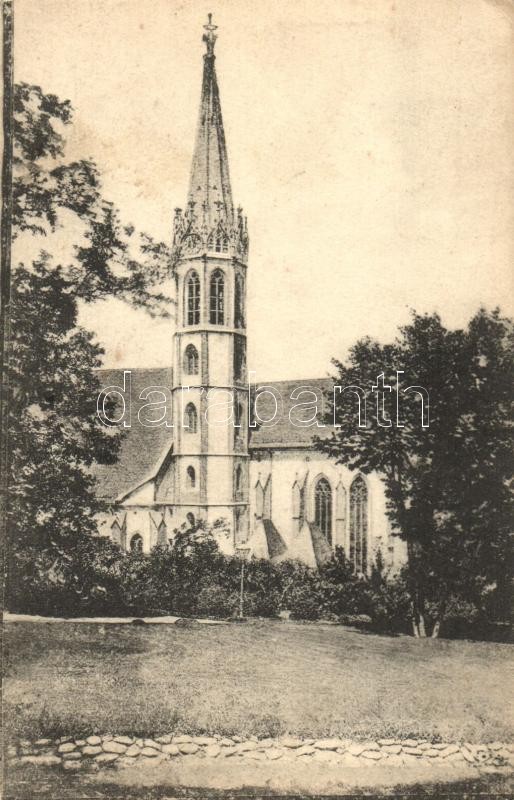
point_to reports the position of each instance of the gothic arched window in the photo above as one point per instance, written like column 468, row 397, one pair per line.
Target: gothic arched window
column 136, row 543
column 239, row 299
column 193, row 299
column 191, row 477
column 323, row 508
column 190, row 419
column 191, row 521
column 217, row 298
column 191, row 360
column 359, row 524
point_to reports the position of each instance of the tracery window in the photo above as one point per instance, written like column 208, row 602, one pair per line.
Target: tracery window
column 359, row 524
column 323, row 508
column 191, row 360
column 193, row 299
column 190, row 419
column 217, row 298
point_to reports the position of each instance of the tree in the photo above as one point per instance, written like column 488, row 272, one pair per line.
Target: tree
column 447, row 485
column 49, row 193
column 54, row 434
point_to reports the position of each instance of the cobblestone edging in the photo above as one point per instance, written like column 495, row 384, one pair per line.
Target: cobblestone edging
column 120, row 751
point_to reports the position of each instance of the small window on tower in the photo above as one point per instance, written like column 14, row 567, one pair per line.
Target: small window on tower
column 191, row 360
column 191, row 477
column 190, row 419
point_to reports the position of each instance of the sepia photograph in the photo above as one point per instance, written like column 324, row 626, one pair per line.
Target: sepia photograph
column 257, row 399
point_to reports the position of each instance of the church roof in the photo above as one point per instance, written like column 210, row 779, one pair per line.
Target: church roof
column 287, row 397
column 143, row 449
column 209, row 187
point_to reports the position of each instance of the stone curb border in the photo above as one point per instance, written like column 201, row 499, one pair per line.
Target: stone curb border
column 94, row 752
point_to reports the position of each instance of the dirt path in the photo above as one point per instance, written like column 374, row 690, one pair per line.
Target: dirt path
column 8, row 617
column 223, row 781
column 284, row 777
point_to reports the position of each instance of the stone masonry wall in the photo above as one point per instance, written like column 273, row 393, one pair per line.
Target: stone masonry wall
column 120, row 751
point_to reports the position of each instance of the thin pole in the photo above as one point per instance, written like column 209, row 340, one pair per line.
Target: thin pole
column 5, row 271
column 241, row 592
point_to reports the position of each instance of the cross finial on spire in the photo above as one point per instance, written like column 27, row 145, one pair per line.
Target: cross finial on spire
column 210, row 37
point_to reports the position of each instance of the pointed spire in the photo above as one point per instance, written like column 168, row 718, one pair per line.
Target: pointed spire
column 210, row 194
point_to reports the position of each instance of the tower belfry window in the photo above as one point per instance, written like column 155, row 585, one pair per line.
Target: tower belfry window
column 217, row 298
column 193, row 299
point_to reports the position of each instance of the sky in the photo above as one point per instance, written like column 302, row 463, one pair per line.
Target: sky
column 370, row 145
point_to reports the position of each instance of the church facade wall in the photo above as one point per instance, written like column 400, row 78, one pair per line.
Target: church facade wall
column 283, row 488
column 289, row 477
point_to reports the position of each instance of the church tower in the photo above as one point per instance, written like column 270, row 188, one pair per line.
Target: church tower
column 210, row 394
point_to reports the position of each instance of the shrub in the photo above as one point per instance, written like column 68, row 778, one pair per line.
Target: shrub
column 216, row 601
column 344, row 593
column 303, row 603
column 301, row 594
column 388, row 601
column 263, row 588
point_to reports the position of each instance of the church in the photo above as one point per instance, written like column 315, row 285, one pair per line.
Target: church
column 256, row 468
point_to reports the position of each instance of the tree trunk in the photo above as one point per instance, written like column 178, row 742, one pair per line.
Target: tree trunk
column 416, row 593
column 418, row 617
column 440, row 615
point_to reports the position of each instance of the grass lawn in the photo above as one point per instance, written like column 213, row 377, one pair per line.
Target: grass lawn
column 264, row 678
